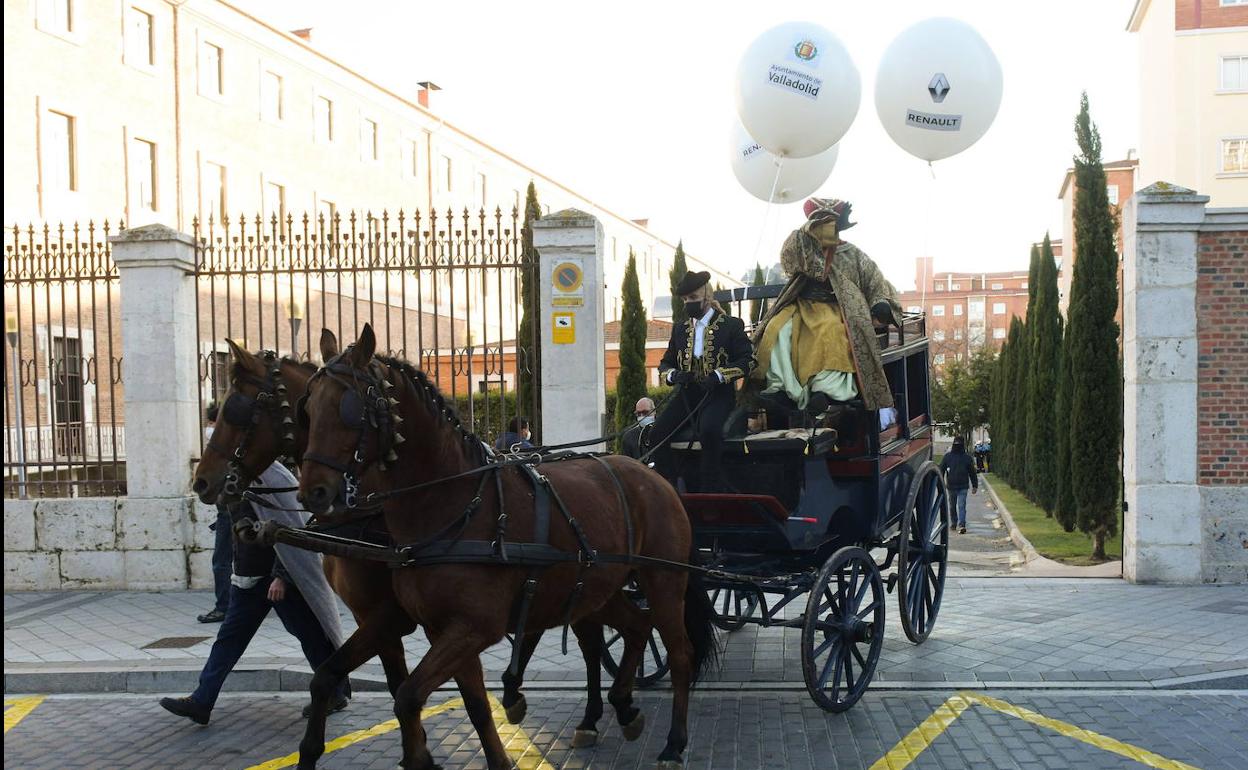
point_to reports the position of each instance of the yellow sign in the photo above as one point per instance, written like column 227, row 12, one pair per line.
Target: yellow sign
column 563, row 328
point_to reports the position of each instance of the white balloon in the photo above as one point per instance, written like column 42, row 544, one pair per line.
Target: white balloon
column 938, row 88
column 755, row 168
column 797, row 89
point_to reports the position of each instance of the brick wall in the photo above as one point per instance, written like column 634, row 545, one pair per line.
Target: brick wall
column 1222, row 329
column 1208, row 14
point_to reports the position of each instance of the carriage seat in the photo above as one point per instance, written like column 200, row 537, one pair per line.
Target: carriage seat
column 782, row 441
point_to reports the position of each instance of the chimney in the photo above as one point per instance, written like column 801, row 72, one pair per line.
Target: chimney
column 422, row 96
column 304, row 34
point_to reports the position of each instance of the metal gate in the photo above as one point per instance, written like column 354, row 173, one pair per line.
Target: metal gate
column 443, row 292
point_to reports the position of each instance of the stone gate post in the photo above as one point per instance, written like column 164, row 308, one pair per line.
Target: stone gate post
column 158, row 334
column 573, row 397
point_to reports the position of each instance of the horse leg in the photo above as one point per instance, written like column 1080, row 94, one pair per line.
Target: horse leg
column 665, row 593
column 394, row 660
column 514, row 702
column 634, row 627
column 589, row 638
column 451, row 650
column 376, row 632
column 471, row 683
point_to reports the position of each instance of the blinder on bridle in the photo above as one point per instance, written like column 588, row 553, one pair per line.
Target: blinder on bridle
column 239, row 410
column 365, row 403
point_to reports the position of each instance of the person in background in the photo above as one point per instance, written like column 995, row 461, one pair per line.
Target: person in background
column 281, row 577
column 516, row 435
column 636, row 438
column 959, row 471
column 222, row 549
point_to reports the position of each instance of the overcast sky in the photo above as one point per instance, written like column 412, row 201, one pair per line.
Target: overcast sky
column 631, row 105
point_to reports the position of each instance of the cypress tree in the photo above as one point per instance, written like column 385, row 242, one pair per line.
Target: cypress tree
column 630, row 383
column 1001, row 420
column 1045, row 335
column 756, row 305
column 1064, row 497
column 1096, row 383
column 529, row 336
column 1018, row 411
column 677, row 272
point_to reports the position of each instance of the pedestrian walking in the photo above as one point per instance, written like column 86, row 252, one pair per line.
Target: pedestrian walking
column 222, row 548
column 959, row 472
column 516, row 435
column 636, row 438
column 284, row 578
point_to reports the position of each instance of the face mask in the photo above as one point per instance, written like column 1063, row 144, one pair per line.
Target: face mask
column 693, row 309
column 645, row 419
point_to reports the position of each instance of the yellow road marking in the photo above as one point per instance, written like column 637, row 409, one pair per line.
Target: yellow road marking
column 290, row 760
column 519, row 746
column 16, row 709
column 901, row 755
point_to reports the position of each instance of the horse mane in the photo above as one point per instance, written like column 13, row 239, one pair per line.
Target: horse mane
column 439, row 408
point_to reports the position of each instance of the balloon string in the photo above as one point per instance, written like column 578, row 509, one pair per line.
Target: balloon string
column 771, row 199
column 932, row 169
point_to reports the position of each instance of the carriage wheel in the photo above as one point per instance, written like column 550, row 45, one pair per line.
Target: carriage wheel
column 844, row 629
column 653, row 666
column 923, row 553
column 732, row 607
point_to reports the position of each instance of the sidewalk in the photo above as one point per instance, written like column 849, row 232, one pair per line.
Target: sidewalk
column 999, row 632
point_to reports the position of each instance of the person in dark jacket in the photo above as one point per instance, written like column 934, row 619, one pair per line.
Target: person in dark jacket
column 636, row 439
column 706, row 355
column 959, row 471
column 517, row 434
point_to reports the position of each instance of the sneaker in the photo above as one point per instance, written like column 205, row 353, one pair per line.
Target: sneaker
column 214, row 616
column 962, row 530
column 185, row 707
column 338, row 704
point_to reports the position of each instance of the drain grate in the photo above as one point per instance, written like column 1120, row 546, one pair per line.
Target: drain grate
column 175, row 642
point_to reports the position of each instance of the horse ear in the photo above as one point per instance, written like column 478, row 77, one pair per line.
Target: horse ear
column 242, row 357
column 364, row 348
column 329, row 345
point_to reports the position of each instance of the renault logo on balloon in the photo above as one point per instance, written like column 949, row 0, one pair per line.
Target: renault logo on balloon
column 938, row 87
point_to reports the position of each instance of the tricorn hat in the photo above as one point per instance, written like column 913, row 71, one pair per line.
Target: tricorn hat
column 823, row 209
column 692, row 282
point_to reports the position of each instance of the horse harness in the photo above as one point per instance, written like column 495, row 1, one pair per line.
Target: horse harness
column 243, row 411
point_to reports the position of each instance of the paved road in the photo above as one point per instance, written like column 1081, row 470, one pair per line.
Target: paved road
column 986, row 549
column 1027, row 730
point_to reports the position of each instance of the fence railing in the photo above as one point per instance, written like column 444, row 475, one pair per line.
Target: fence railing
column 442, row 291
column 63, row 382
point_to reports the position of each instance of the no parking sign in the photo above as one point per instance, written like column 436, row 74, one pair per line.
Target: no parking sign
column 568, row 281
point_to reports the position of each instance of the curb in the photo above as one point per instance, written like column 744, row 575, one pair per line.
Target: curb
column 1030, row 553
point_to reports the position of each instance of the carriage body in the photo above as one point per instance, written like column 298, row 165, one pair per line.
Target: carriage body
column 812, row 510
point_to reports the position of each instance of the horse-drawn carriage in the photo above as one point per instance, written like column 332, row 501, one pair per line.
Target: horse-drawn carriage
column 809, row 507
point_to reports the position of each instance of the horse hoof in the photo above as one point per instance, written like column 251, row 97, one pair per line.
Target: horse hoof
column 517, row 710
column 632, row 730
column 583, row 739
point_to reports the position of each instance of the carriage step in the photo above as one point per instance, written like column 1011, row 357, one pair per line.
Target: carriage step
column 891, row 582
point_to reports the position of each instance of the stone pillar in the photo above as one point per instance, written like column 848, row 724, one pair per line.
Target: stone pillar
column 1162, row 530
column 570, row 274
column 161, row 374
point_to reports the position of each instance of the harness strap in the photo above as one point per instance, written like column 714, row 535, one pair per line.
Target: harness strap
column 522, row 615
column 619, row 492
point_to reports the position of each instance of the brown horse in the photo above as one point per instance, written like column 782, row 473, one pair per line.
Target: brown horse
column 255, row 430
column 357, row 410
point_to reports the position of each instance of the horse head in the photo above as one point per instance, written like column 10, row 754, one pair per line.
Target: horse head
column 255, row 425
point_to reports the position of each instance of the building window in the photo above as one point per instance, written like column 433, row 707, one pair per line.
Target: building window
column 940, row 287
column 957, row 286
column 1235, row 155
column 516, row 196
column 140, row 39
column 323, row 119
column 67, row 388
column 272, row 98
column 939, row 359
column 143, row 173
column 482, row 189
column 55, row 16
column 938, row 310
column 1225, row 3
column 998, row 308
column 274, row 204
column 414, row 149
column 214, row 203
column 368, row 139
column 957, row 334
column 1024, row 285
column 998, row 333
column 446, row 177
column 939, row 336
column 61, row 156
column 1112, row 192
column 998, row 286
column 211, row 70
column 325, row 211
column 957, row 310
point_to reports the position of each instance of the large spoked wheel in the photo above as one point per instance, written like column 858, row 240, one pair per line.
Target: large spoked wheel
column 844, row 629
column 732, row 607
column 923, row 553
column 653, row 666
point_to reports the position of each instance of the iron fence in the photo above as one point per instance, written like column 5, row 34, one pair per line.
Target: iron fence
column 64, row 415
column 442, row 292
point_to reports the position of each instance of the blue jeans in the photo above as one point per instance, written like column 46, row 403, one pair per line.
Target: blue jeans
column 222, row 558
column 248, row 609
column 959, row 500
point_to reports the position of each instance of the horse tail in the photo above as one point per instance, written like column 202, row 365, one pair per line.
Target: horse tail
column 698, row 626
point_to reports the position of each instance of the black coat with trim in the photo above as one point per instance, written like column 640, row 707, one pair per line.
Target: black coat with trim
column 726, row 350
